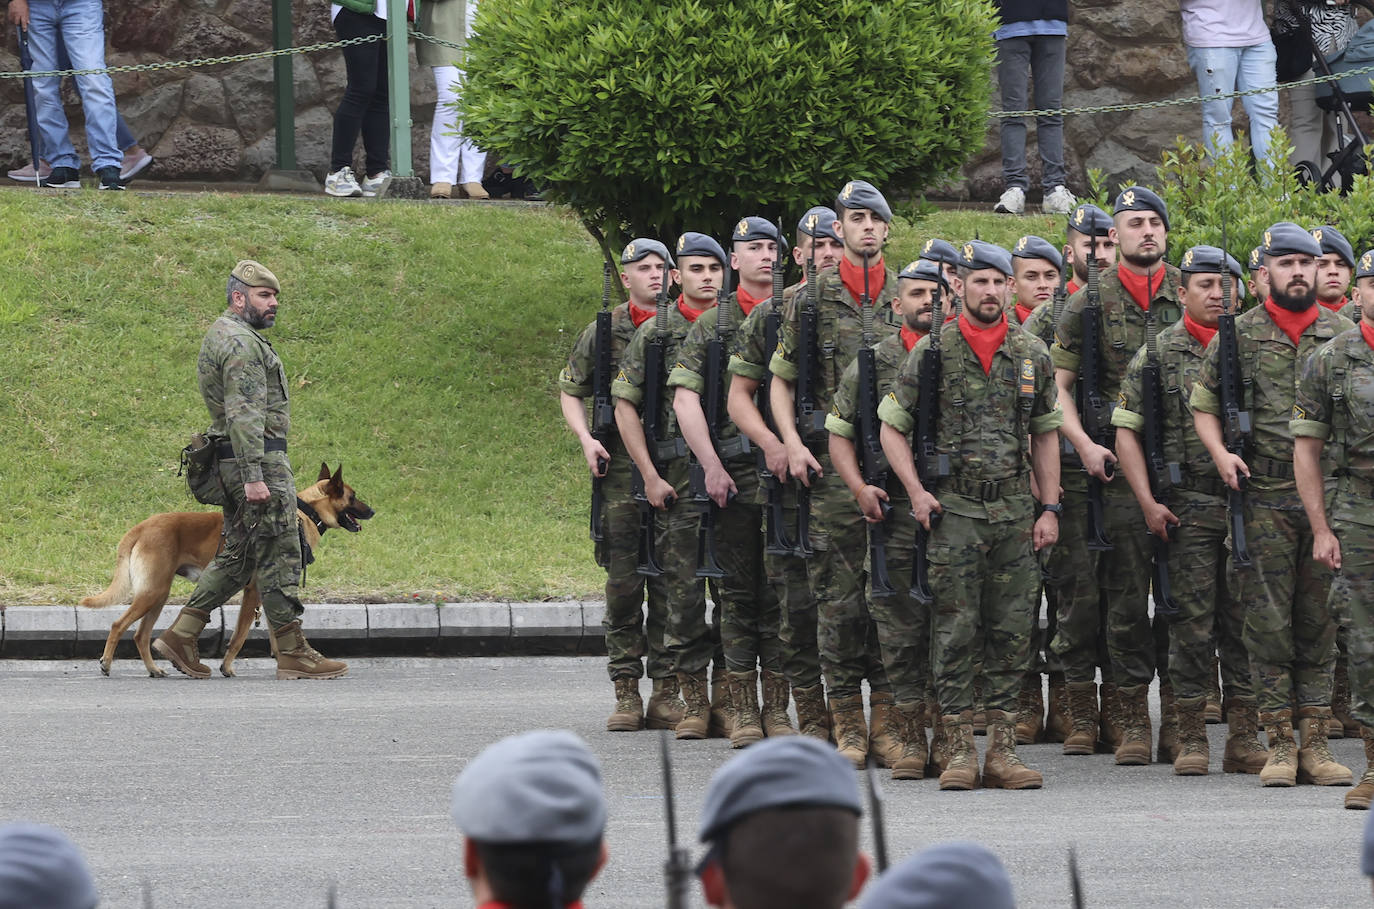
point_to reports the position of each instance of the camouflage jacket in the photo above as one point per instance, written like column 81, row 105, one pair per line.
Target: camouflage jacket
column 843, row 420
column 244, row 387
column 1041, row 323
column 629, row 382
column 578, row 377
column 1335, row 402
column 984, row 419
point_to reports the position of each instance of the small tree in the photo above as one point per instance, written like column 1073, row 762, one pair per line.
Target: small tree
column 652, row 118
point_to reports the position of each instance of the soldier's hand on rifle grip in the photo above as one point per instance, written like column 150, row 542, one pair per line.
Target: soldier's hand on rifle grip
column 924, row 507
column 719, row 486
column 660, row 493
column 873, row 503
column 1046, row 530
column 1161, row 521
column 775, row 456
column 1096, row 459
column 597, row 456
column 800, row 460
column 1327, row 549
column 1231, row 467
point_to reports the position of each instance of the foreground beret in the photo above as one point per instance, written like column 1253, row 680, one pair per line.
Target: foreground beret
column 40, row 868
column 793, row 771
column 1334, row 242
column 1285, row 238
column 1367, row 851
column 753, row 228
column 981, row 254
column 937, row 250
column 1033, row 247
column 695, row 244
column 861, row 194
column 255, row 274
column 542, row 786
column 1365, row 267
column 925, row 270
column 1207, row 260
column 1138, row 198
column 640, row 247
column 1088, row 220
column 819, row 221
column 945, row 876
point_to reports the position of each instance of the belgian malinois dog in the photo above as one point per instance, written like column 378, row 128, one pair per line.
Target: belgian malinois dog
column 184, row 542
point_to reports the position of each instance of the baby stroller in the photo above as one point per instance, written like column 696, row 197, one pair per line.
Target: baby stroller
column 1341, row 96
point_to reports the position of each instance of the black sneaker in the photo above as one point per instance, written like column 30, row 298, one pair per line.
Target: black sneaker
column 109, row 177
column 64, row 178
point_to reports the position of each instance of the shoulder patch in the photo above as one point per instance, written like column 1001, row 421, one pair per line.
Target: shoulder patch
column 1299, row 413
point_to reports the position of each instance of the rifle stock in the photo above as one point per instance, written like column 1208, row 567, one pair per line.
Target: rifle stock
column 930, row 463
column 1235, row 420
column 1092, row 409
column 603, row 407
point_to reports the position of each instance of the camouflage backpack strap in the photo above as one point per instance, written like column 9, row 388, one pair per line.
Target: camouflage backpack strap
column 1115, row 318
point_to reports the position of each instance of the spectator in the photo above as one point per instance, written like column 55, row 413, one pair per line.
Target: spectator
column 944, row 876
column 1030, row 46
column 40, row 868
column 79, row 27
column 1229, row 49
column 452, row 158
column 365, row 107
column 1311, row 130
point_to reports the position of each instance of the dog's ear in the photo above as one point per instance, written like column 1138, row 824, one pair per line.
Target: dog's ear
column 336, row 483
column 324, row 472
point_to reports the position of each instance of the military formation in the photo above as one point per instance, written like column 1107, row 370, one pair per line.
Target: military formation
column 884, row 474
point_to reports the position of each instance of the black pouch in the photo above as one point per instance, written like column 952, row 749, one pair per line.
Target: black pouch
column 200, row 463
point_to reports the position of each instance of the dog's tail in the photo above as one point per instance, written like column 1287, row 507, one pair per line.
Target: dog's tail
column 122, row 582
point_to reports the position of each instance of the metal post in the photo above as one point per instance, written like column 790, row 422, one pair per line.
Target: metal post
column 398, row 86
column 284, row 86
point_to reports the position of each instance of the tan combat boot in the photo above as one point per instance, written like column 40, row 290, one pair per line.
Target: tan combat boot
column 813, row 718
column 1214, row 709
column 181, row 643
column 961, row 765
column 1002, row 769
column 851, row 732
column 1316, row 763
column 1167, row 752
column 665, row 708
column 939, row 744
column 1358, row 799
column 911, row 763
column 629, row 707
column 1059, row 723
column 1193, row 754
column 980, row 713
column 744, row 695
column 1112, row 719
column 696, row 715
column 1083, row 714
column 884, row 730
column 1340, row 702
column 1134, row 750
column 1244, row 752
column 1282, row 767
column 722, row 711
column 296, row 659
column 1030, row 710
column 776, row 722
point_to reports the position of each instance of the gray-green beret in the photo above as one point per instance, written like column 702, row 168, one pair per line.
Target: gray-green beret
column 255, row 274
column 978, row 254
column 1088, row 220
column 794, row 771
column 937, row 250
column 1285, row 238
column 1207, row 260
column 1138, row 198
column 694, row 244
column 944, row 876
column 754, row 228
column 40, row 868
column 1334, row 242
column 1033, row 247
column 925, row 270
column 861, row 194
column 640, row 247
column 819, row 221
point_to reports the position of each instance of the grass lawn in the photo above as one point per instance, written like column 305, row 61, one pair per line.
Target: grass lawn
column 422, row 343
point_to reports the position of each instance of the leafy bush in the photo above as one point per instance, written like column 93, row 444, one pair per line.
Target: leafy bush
column 648, row 118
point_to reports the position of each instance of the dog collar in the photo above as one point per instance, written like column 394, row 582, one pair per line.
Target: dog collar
column 312, row 515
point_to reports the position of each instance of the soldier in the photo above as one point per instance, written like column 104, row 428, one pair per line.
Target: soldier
column 1335, row 404
column 532, row 814
column 1256, row 284
column 1118, row 583
column 1362, row 297
column 1193, row 523
column 1288, row 629
column 643, row 264
column 1087, row 222
column 944, row 876
column 997, row 424
column 846, row 636
column 244, row 387
column 1037, row 265
column 700, row 271
column 943, row 253
column 903, row 623
column 786, row 572
column 1334, row 267
column 782, row 825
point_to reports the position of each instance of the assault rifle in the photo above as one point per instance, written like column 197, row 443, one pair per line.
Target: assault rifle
column 1162, row 475
column 1235, row 422
column 778, row 543
column 654, row 378
column 603, row 405
column 810, row 418
column 1061, row 296
column 875, row 810
column 930, row 463
column 1092, row 409
column 677, row 870
column 871, row 459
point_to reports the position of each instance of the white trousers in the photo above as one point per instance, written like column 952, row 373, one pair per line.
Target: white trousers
column 452, row 159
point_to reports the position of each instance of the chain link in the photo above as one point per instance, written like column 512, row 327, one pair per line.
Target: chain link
column 421, row 36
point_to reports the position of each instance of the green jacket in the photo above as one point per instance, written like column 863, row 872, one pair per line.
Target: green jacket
column 445, row 19
column 244, row 387
column 1335, row 402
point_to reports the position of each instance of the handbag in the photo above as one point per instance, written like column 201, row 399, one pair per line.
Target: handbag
column 200, row 463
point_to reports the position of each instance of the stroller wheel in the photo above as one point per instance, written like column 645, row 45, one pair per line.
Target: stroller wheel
column 1307, row 173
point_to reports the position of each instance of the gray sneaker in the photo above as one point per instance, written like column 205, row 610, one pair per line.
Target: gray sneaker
column 1058, row 201
column 1013, row 202
column 342, row 184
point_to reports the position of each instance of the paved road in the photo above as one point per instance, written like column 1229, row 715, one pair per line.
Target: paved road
column 254, row 793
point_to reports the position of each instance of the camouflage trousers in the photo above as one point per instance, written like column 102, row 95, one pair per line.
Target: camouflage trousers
column 1078, row 642
column 1352, row 605
column 261, row 539
column 1209, row 618
column 845, row 633
column 632, row 632
column 749, row 607
column 687, row 636
column 903, row 623
column 1289, row 632
column 984, row 576
column 801, row 661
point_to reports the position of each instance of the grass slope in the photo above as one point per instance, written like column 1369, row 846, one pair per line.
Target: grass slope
column 421, row 342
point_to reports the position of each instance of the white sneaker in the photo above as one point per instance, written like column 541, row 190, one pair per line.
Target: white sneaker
column 373, row 186
column 1013, row 202
column 341, row 183
column 1058, row 201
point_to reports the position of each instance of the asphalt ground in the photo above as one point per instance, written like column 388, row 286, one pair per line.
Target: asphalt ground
column 250, row 792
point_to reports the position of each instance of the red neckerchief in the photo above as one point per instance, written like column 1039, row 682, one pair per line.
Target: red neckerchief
column 853, row 278
column 1071, row 288
column 690, row 314
column 747, row 301
column 640, row 316
column 1334, row 307
column 984, row 341
column 1138, row 286
column 910, row 336
column 1292, row 323
column 1023, row 312
column 1367, row 332
column 1203, row 333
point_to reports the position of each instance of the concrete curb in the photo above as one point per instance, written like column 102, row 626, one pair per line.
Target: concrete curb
column 567, row 627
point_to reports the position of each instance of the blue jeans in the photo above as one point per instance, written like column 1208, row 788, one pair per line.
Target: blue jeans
column 123, row 135
column 1228, row 69
column 79, row 26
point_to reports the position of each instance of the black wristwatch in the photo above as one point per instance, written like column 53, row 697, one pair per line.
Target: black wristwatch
column 1057, row 508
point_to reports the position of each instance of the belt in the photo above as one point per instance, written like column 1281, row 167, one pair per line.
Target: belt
column 226, row 450
column 987, row 490
column 1212, row 486
column 1269, row 467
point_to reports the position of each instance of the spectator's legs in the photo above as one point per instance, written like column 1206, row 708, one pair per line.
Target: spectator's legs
column 1013, row 75
column 1047, row 77
column 363, row 63
column 444, row 145
column 82, row 28
column 1215, row 68
column 44, row 36
column 377, row 119
column 1257, row 64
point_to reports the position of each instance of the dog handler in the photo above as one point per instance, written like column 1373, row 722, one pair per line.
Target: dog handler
column 244, row 387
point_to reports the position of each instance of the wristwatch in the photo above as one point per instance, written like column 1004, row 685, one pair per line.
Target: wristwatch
column 1057, row 508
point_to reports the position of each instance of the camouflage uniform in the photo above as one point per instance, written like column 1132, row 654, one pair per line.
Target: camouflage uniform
column 846, row 636
column 983, row 570
column 1123, row 573
column 1197, row 560
column 244, row 387
column 1288, row 632
column 625, row 621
